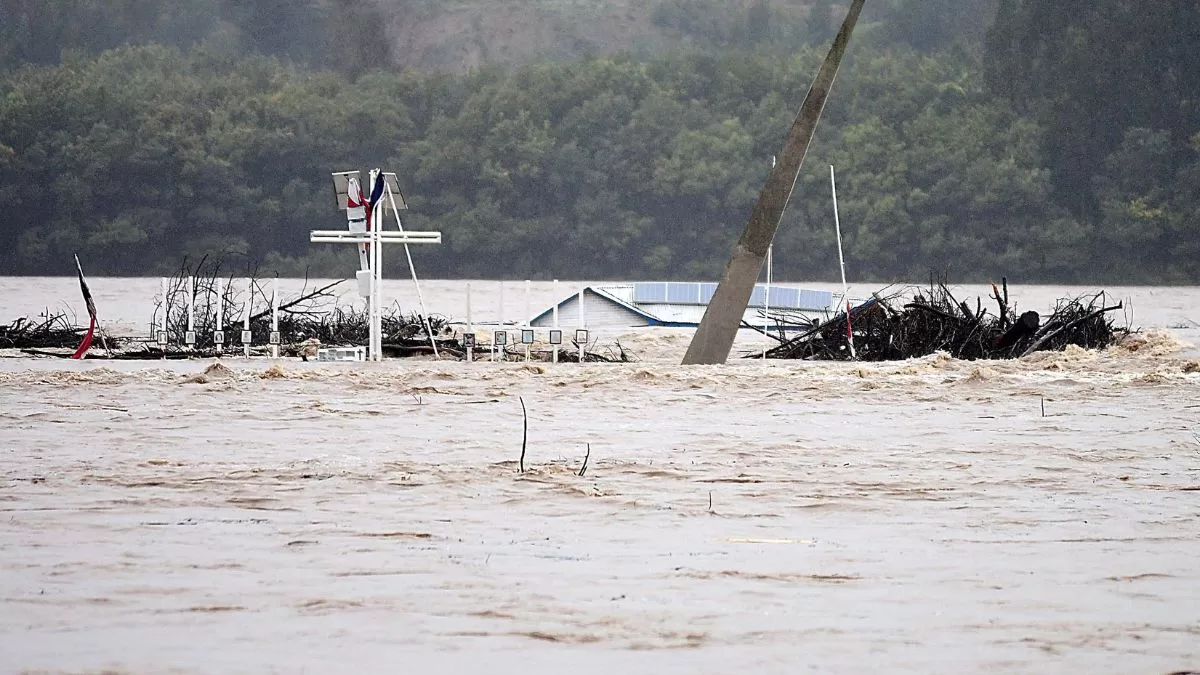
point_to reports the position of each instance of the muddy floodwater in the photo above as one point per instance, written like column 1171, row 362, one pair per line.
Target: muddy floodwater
column 933, row 515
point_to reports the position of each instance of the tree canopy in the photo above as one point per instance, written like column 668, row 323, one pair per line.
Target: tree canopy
column 1029, row 153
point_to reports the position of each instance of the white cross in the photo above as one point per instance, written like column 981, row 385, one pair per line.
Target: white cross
column 376, row 238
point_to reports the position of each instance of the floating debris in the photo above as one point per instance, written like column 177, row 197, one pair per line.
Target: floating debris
column 917, row 322
column 48, row 331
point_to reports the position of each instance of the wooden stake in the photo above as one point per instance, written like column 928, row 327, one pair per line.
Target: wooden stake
column 524, row 434
column 583, row 469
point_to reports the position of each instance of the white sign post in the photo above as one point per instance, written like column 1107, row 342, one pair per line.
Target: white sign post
column 219, row 331
column 374, row 238
column 246, row 335
column 161, row 333
column 552, row 333
column 274, row 337
column 189, row 337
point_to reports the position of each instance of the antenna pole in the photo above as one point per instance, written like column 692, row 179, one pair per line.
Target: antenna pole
column 375, row 305
column 413, row 271
column 837, row 226
column 767, row 301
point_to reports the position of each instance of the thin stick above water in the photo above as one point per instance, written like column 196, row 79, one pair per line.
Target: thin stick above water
column 583, row 469
column 837, row 226
column 524, row 434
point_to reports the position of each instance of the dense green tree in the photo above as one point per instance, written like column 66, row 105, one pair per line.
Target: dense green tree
column 41, row 31
column 1088, row 70
column 1148, row 225
column 135, row 154
column 143, row 152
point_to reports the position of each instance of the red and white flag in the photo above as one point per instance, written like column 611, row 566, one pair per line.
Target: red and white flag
column 354, row 195
column 358, row 219
column 91, row 309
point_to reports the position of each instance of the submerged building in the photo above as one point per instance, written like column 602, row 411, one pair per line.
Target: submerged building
column 679, row 304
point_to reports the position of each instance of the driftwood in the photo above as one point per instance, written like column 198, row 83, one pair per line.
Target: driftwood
column 306, row 320
column 524, row 433
column 48, row 331
column 583, row 469
column 209, row 273
column 616, row 353
column 1026, row 325
column 1069, row 327
column 934, row 320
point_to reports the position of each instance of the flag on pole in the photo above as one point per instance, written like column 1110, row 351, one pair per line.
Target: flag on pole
column 356, row 217
column 377, row 190
column 376, row 195
column 91, row 309
column 354, row 195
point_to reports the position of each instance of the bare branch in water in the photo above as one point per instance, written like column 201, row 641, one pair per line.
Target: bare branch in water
column 583, row 469
column 524, row 434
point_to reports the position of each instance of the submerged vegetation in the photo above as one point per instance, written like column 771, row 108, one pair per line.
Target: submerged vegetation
column 207, row 309
column 47, row 330
column 917, row 322
column 1031, row 149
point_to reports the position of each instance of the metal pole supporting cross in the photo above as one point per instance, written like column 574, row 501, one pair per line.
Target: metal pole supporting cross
column 370, row 233
column 376, row 238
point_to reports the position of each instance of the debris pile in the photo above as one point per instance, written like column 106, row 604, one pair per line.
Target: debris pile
column 201, row 302
column 48, row 331
column 403, row 334
column 307, row 319
column 918, row 322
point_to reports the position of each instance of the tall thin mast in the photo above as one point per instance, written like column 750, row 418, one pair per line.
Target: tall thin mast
column 837, row 226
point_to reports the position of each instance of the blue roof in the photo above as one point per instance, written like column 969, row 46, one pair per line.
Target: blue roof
column 691, row 293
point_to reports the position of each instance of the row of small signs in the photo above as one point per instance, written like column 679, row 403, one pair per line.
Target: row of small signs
column 189, row 338
column 500, row 338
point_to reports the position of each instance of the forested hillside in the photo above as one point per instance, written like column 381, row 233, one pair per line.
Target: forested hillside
column 460, row 35
column 1044, row 141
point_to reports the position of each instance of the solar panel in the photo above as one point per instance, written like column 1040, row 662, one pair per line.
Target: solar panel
column 815, row 299
column 757, row 296
column 791, row 298
column 683, row 293
column 785, row 298
column 341, row 182
column 688, row 293
column 650, row 292
column 390, row 180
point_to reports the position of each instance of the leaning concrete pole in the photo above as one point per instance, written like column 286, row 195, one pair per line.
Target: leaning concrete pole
column 714, row 338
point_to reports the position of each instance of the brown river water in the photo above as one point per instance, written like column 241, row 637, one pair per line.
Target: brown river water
column 933, row 515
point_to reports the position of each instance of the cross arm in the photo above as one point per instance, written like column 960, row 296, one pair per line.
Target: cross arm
column 407, row 237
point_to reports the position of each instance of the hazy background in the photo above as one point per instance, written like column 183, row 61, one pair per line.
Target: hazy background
column 1052, row 142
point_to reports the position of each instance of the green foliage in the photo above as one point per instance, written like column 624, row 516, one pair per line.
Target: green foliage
column 146, row 152
column 604, row 167
column 1089, row 70
column 39, row 31
column 1148, row 224
column 346, row 35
